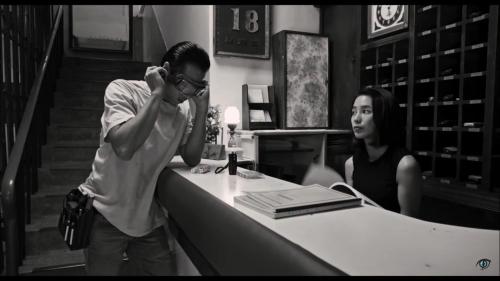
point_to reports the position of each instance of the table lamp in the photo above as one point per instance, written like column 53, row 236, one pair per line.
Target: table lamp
column 231, row 118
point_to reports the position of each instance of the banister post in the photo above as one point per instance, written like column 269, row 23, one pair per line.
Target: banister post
column 10, row 221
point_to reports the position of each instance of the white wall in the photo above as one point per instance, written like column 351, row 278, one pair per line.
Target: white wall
column 153, row 45
column 228, row 74
column 184, row 23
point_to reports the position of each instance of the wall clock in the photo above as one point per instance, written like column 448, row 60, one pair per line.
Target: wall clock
column 384, row 19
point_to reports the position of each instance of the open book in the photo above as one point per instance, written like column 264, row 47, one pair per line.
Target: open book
column 326, row 176
column 298, row 201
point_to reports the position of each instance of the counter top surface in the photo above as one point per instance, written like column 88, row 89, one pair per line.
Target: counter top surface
column 365, row 240
column 292, row 132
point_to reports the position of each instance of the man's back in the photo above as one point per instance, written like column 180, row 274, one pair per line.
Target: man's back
column 124, row 189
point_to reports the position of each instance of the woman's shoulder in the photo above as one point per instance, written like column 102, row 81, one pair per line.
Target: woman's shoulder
column 399, row 152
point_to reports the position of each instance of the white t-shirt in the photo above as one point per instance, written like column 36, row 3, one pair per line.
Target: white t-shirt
column 124, row 190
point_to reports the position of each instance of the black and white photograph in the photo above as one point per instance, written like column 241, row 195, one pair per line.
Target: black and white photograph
column 249, row 140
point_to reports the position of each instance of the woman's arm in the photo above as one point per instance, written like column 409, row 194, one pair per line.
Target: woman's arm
column 409, row 179
column 349, row 168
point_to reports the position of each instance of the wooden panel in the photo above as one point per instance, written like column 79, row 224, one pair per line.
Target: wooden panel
column 342, row 25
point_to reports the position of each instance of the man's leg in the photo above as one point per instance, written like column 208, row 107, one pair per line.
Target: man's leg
column 104, row 254
column 151, row 255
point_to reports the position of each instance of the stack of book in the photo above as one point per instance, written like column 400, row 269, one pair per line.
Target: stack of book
column 298, row 201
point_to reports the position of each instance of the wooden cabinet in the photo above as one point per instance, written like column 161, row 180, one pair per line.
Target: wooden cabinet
column 444, row 74
column 301, row 79
column 286, row 154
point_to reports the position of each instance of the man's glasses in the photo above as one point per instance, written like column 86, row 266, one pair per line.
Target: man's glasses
column 187, row 87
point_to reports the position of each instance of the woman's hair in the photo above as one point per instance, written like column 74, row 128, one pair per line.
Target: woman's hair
column 385, row 115
column 186, row 52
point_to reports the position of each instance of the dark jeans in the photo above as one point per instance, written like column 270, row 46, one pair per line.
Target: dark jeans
column 147, row 255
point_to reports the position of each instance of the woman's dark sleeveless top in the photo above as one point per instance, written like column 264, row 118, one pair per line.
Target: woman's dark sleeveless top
column 377, row 179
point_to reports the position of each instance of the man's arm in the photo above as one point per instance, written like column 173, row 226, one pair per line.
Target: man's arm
column 127, row 137
column 192, row 149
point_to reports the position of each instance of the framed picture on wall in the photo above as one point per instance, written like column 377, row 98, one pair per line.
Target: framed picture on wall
column 384, row 19
column 242, row 30
column 89, row 28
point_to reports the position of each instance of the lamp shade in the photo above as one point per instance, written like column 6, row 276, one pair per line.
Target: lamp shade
column 231, row 115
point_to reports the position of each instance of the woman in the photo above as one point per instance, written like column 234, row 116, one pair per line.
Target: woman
column 380, row 168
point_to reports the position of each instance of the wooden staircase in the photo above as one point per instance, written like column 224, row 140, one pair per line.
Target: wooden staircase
column 72, row 141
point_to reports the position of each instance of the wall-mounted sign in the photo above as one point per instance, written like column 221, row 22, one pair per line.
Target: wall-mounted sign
column 384, row 19
column 242, row 30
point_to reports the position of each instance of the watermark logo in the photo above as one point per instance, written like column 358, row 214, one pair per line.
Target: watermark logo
column 483, row 263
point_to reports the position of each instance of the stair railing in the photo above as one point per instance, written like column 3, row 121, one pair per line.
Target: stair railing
column 34, row 40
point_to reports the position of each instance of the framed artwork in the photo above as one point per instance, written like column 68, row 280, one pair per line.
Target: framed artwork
column 301, row 79
column 242, row 30
column 89, row 28
column 384, row 19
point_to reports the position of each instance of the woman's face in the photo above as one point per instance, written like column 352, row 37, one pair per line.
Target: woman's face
column 362, row 122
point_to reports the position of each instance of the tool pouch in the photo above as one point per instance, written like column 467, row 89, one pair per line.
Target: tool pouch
column 75, row 221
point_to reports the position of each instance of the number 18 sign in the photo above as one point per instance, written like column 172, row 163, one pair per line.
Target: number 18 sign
column 242, row 30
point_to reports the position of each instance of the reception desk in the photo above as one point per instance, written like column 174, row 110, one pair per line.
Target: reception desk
column 223, row 239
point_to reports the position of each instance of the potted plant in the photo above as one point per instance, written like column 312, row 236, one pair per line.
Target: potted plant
column 212, row 150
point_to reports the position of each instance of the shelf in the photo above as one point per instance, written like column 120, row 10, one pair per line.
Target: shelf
column 424, row 153
column 475, row 101
column 450, row 51
column 475, row 74
column 459, row 192
column 424, row 104
column 476, row 46
column 471, row 158
column 446, row 129
column 451, row 25
column 449, row 77
column 446, row 155
column 427, row 32
column 401, row 61
column 472, row 130
column 425, row 80
column 478, row 18
column 424, row 128
column 426, row 56
column 426, row 8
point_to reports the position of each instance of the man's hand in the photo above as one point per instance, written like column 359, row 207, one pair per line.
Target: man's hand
column 202, row 99
column 154, row 78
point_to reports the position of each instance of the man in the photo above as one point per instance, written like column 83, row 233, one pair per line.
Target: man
column 144, row 123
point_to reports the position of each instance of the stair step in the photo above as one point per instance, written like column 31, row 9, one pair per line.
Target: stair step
column 65, row 85
column 69, row 73
column 58, row 189
column 85, row 101
column 43, row 222
column 80, row 116
column 51, row 258
column 67, row 136
column 46, row 239
column 69, row 165
column 49, row 178
column 72, row 269
column 46, row 205
column 68, row 153
column 70, row 93
column 103, row 64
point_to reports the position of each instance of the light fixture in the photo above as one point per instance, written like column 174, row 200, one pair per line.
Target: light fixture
column 231, row 118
